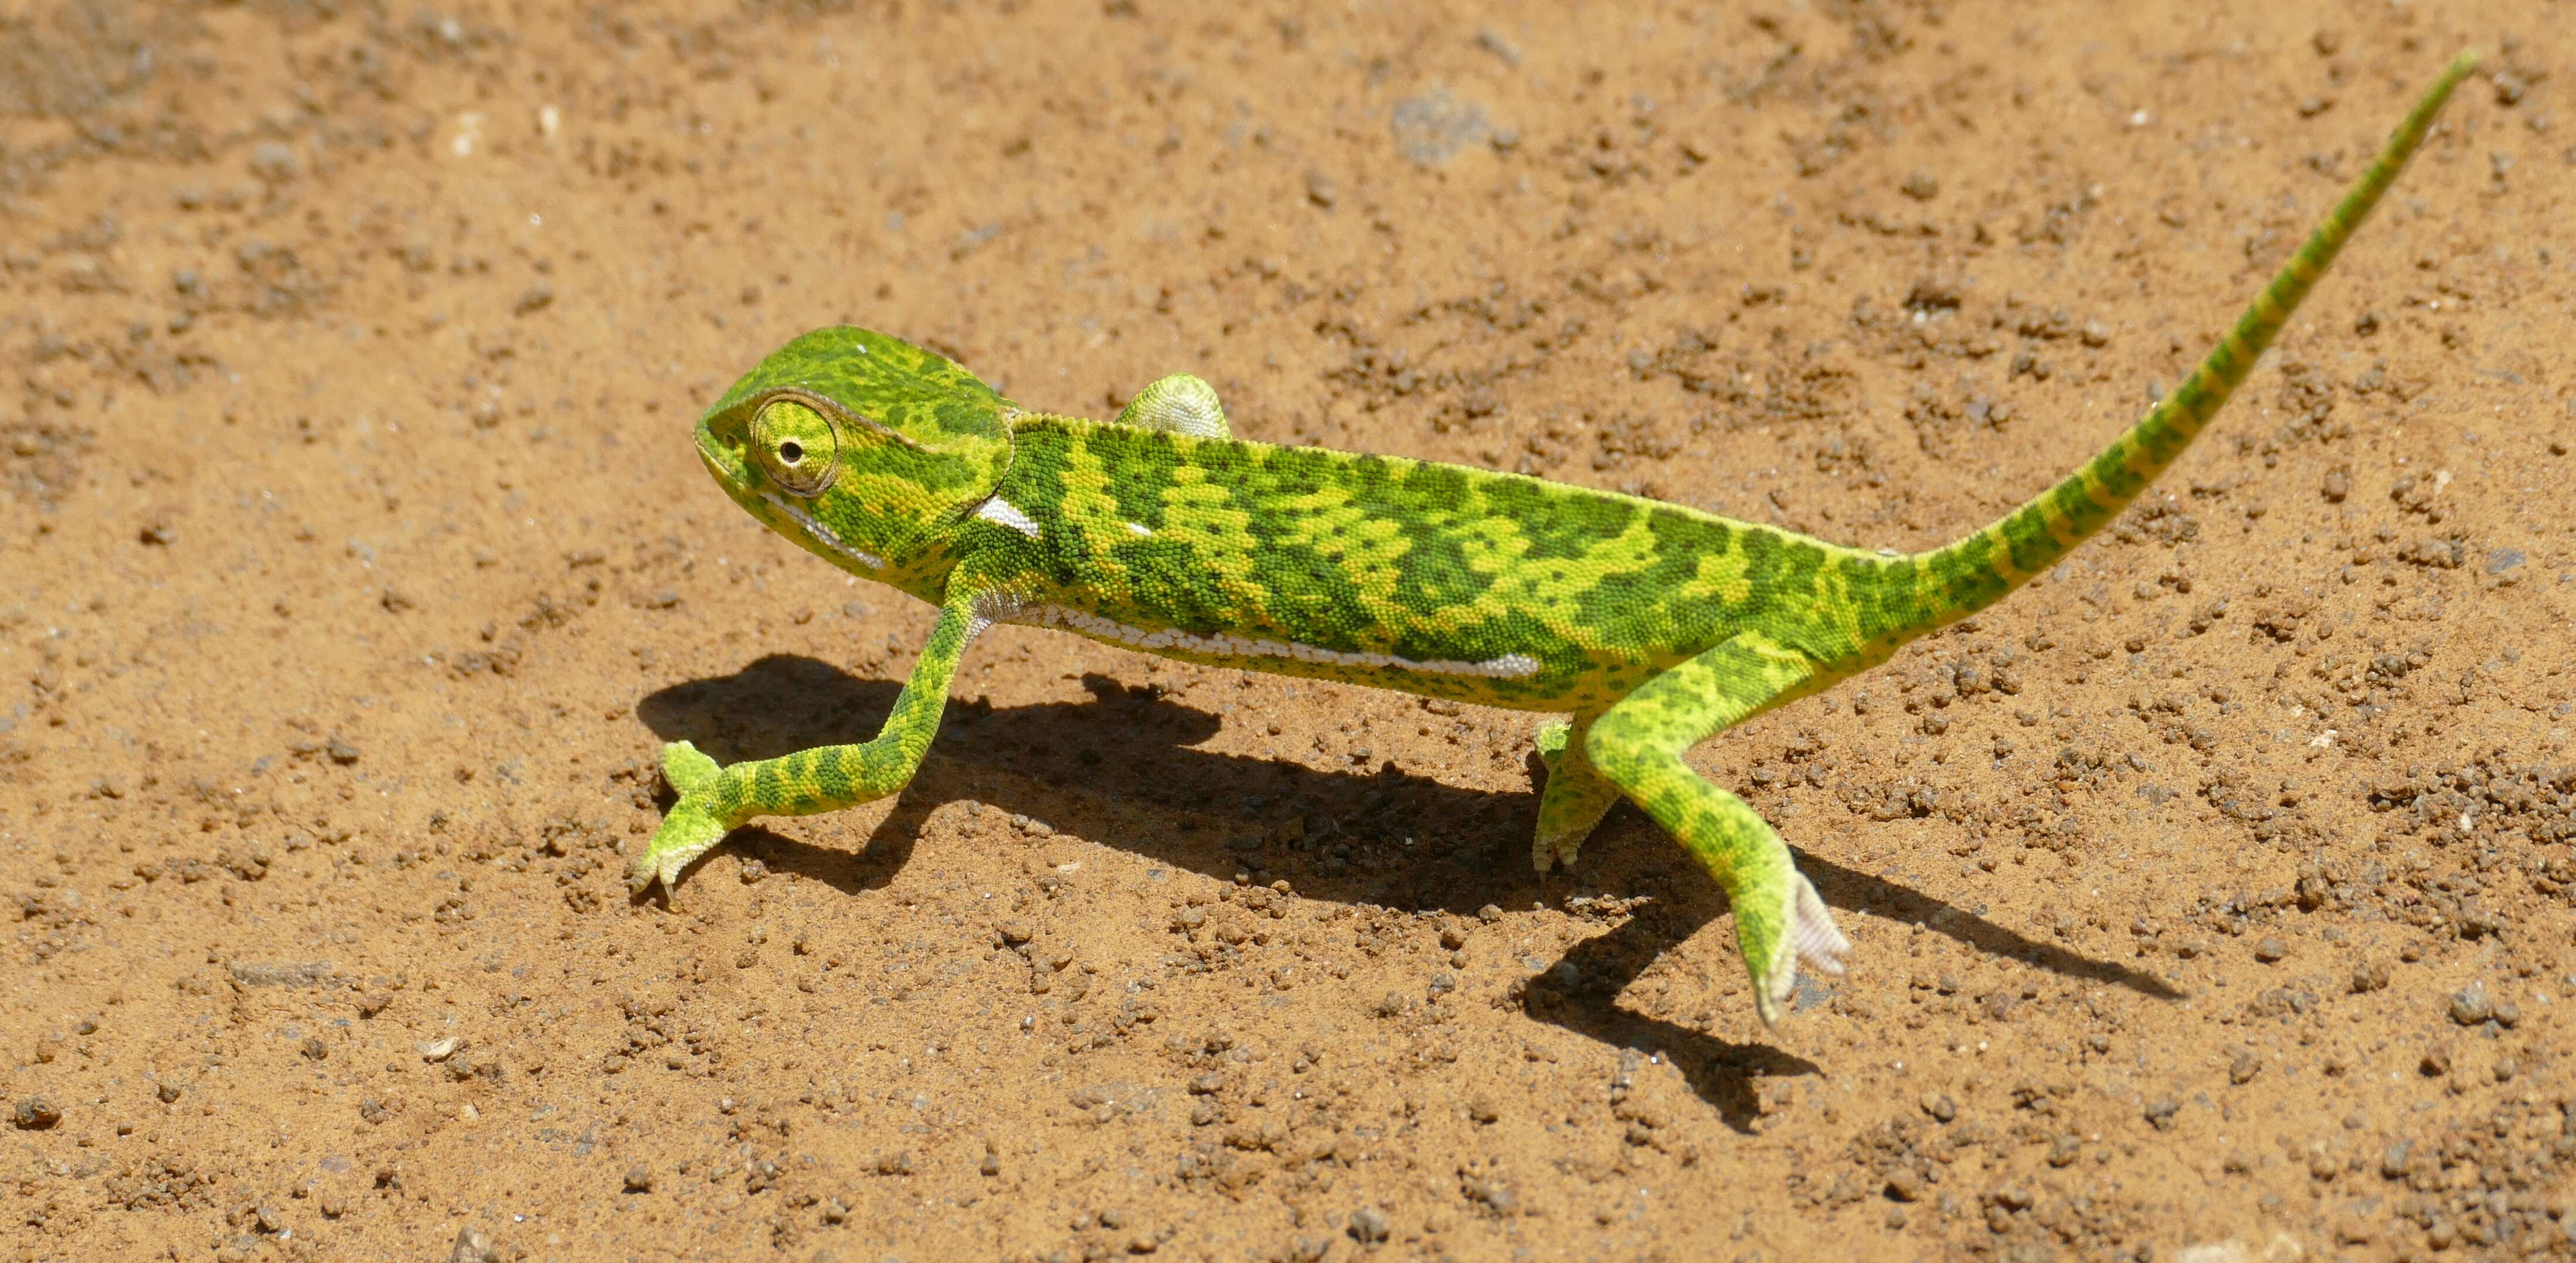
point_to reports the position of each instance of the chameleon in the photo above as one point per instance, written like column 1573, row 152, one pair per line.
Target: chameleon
column 1647, row 627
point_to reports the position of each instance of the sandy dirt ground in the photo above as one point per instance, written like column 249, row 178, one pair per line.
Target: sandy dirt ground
column 2214, row 894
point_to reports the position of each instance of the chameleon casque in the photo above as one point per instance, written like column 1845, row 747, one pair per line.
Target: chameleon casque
column 1650, row 625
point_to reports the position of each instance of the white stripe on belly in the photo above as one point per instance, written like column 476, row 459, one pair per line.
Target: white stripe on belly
column 1510, row 666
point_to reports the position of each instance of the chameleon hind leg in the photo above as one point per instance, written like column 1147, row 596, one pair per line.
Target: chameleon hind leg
column 1179, row 403
column 714, row 801
column 1576, row 796
column 1638, row 745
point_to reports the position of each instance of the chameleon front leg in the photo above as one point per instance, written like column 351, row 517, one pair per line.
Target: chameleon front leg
column 1638, row 745
column 1576, row 796
column 1179, row 403
column 714, row 801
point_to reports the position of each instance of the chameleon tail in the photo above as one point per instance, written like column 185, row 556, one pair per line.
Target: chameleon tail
column 1975, row 572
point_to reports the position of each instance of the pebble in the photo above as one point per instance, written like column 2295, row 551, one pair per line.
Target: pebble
column 473, row 1245
column 2243, row 1068
column 1369, row 1225
column 2270, row 950
column 2470, row 1006
column 2161, row 1112
column 36, row 1113
column 639, row 1178
column 2393, row 1162
column 274, row 162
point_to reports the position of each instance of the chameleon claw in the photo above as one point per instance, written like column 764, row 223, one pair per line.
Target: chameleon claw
column 689, row 830
column 1547, row 852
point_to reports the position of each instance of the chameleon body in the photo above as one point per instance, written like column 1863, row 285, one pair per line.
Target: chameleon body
column 1651, row 626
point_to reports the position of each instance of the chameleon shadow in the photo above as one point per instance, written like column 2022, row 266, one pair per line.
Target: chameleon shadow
column 1052, row 760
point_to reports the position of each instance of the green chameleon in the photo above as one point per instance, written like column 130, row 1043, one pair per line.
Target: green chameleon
column 1651, row 625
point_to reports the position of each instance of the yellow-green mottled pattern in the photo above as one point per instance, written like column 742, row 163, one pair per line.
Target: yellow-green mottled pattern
column 1357, row 554
column 1652, row 625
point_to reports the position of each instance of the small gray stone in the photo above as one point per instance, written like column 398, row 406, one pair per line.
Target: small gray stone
column 473, row 1245
column 274, row 162
column 2470, row 1006
column 1433, row 126
column 1495, row 42
column 281, row 973
column 2393, row 1162
column 2161, row 1111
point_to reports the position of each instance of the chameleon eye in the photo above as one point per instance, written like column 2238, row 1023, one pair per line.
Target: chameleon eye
column 797, row 446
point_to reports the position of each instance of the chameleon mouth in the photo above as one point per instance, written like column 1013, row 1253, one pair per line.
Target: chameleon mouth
column 820, row 533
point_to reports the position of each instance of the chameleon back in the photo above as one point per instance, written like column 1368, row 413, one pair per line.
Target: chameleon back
column 1438, row 579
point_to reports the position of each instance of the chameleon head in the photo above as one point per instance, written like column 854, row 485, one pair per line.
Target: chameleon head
column 861, row 447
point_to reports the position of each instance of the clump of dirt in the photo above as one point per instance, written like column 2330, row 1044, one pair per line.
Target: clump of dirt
column 2214, row 891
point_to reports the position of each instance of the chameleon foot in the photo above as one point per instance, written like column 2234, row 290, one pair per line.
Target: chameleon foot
column 1575, row 799
column 1813, row 941
column 1179, row 403
column 693, row 826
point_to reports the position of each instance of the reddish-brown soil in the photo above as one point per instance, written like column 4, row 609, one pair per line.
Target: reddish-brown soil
column 2214, row 893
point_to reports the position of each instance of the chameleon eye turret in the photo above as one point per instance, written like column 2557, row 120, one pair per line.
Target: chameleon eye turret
column 797, row 444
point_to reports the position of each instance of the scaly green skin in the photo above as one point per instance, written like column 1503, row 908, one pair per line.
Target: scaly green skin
column 1652, row 625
